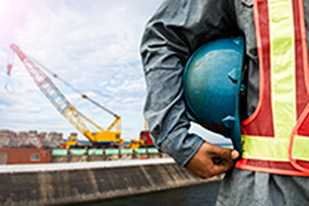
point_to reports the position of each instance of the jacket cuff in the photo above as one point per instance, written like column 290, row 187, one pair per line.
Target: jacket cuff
column 182, row 146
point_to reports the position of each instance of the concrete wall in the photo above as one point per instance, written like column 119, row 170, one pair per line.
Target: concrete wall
column 64, row 186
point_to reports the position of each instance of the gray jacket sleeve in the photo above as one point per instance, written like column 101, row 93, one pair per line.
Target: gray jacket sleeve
column 177, row 29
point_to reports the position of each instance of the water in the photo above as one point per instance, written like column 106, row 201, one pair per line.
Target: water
column 199, row 195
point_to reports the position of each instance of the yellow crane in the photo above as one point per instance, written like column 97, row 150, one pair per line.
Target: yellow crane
column 109, row 136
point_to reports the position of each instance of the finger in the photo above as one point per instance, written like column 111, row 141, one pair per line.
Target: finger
column 219, row 169
column 224, row 153
column 235, row 154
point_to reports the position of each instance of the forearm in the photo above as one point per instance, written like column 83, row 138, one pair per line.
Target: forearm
column 173, row 33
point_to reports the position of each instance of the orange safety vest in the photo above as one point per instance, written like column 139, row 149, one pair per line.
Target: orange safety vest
column 276, row 136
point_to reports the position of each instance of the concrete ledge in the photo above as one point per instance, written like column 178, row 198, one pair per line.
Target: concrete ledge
column 26, row 168
column 59, row 184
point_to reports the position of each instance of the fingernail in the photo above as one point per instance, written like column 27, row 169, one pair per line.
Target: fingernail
column 235, row 154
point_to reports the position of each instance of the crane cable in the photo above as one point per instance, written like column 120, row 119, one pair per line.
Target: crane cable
column 83, row 96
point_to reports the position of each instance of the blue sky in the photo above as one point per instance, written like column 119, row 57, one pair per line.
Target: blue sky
column 92, row 44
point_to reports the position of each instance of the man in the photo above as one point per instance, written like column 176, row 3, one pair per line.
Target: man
column 176, row 30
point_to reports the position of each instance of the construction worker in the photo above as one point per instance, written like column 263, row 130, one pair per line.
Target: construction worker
column 273, row 167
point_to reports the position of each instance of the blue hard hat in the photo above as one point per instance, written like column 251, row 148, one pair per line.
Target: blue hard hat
column 212, row 84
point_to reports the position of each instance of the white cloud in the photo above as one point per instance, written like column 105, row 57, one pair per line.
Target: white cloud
column 94, row 46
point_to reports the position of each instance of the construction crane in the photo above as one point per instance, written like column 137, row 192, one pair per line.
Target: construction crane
column 109, row 136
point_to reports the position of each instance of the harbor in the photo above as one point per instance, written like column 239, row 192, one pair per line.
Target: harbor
column 39, row 170
column 34, row 147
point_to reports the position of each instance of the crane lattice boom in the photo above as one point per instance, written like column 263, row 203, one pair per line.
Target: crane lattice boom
column 75, row 117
